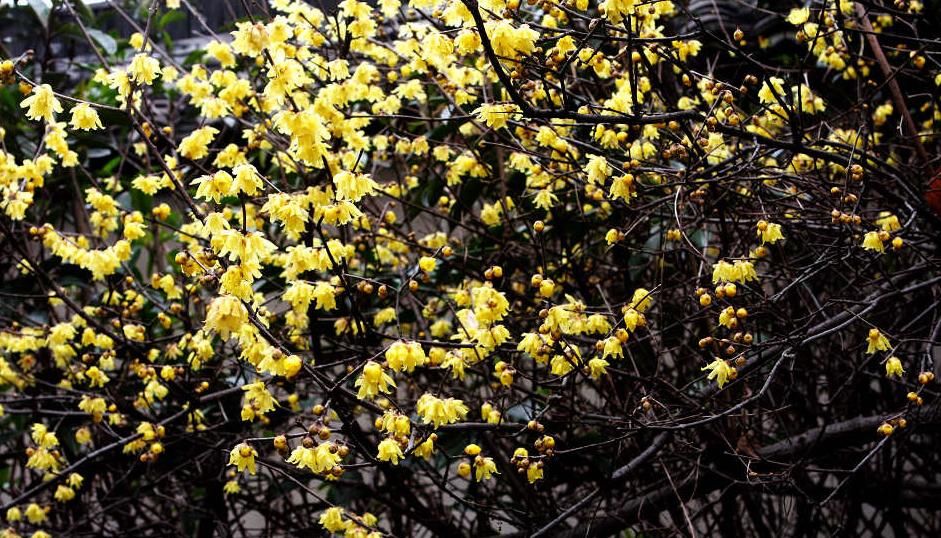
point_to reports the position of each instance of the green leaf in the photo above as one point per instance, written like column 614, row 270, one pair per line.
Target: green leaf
column 104, row 40
column 170, row 17
column 110, row 166
column 87, row 14
column 41, row 8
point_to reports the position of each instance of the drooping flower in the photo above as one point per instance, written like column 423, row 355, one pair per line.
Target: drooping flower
column 769, row 232
column 720, row 371
column 373, row 381
column 389, row 450
column 893, row 367
column 597, row 368
column 85, row 117
column 877, row 342
column 484, row 468
column 873, row 241
column 438, row 411
column 243, row 457
column 497, row 115
column 641, row 300
column 42, row 103
column 404, row 357
column 740, row 271
column 888, row 222
column 427, row 264
column 798, row 16
column 144, row 69
column 226, row 315
column 332, row 520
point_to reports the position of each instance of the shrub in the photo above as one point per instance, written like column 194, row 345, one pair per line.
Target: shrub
column 458, row 268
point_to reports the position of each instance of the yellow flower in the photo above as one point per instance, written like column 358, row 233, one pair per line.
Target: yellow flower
column 246, row 180
column 545, row 199
column 770, row 93
column 373, row 381
column 633, row 319
column 427, row 264
column 484, row 468
column 144, row 69
column 83, row 436
column 497, row 115
column 292, row 365
column 727, row 318
column 623, row 188
column 214, row 187
column 196, row 144
column 740, row 271
column 612, row 348
column 547, row 288
column 35, row 513
column 250, row 38
column 612, row 236
column 226, row 315
column 437, row 411
column 319, row 460
column 509, row 42
column 95, row 407
column 720, row 371
column 534, row 472
column 96, row 378
column 598, row 368
column 641, row 300
column 389, row 450
column 798, row 16
column 64, row 493
column 150, row 185
column 221, row 52
column 888, row 222
column 332, row 520
column 135, row 333
column 769, row 232
column 42, row 103
column 258, row 400
column 872, row 241
column 243, row 457
column 136, row 40
column 426, row 448
column 353, row 187
column 893, row 367
column 877, row 342
column 85, row 117
column 404, row 357
column 597, row 169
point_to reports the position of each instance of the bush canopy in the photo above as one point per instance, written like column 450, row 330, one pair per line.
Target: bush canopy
column 470, row 268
